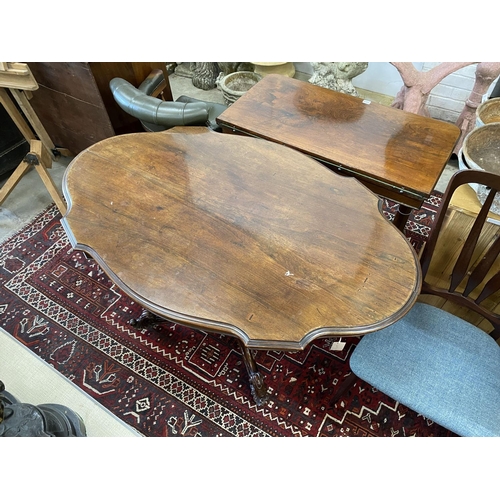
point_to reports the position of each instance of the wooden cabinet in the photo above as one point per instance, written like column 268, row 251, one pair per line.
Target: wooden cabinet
column 74, row 102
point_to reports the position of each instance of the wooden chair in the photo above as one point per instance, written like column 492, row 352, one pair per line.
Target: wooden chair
column 432, row 361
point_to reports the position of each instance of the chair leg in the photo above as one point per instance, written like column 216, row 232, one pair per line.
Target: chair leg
column 346, row 384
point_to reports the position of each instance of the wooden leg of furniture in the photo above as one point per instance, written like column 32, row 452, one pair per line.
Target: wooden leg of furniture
column 42, row 160
column 344, row 386
column 401, row 217
column 257, row 384
column 15, row 115
column 39, row 158
column 35, row 122
column 63, row 152
column 12, row 181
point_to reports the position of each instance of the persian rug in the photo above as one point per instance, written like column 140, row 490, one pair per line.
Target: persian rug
column 420, row 221
column 171, row 380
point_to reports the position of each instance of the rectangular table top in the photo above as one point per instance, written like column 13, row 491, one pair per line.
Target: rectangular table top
column 397, row 154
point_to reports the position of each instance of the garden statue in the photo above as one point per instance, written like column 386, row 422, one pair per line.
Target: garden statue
column 337, row 75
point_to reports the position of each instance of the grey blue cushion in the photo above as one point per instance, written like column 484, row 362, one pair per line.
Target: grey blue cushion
column 438, row 365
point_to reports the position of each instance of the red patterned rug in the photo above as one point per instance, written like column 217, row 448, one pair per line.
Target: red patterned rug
column 420, row 222
column 171, row 380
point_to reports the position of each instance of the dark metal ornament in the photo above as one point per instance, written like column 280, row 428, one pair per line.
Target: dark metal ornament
column 45, row 420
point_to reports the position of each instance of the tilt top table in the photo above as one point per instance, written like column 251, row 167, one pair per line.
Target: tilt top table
column 398, row 155
column 240, row 236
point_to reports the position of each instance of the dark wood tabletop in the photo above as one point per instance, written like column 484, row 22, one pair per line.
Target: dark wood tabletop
column 238, row 235
column 397, row 154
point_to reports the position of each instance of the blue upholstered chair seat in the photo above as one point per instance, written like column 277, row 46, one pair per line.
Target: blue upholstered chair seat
column 439, row 366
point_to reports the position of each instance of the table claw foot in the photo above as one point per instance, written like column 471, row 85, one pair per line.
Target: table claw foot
column 257, row 384
column 259, row 389
column 146, row 318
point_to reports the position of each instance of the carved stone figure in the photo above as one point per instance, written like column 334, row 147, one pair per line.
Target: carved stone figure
column 205, row 74
column 231, row 67
column 337, row 75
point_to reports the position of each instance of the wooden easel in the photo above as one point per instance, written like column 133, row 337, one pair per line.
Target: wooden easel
column 18, row 78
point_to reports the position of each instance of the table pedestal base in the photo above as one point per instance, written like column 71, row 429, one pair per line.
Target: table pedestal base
column 257, row 385
column 402, row 214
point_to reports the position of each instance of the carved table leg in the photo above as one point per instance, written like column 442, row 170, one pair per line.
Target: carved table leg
column 257, row 384
column 146, row 318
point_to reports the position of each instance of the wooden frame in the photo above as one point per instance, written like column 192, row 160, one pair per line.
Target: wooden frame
column 18, row 78
column 39, row 158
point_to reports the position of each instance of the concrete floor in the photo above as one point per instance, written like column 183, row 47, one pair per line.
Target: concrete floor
column 29, row 198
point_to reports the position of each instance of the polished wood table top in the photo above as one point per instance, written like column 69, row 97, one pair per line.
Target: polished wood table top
column 240, row 236
column 398, row 155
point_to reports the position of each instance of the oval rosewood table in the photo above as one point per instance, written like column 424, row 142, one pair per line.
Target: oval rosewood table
column 241, row 236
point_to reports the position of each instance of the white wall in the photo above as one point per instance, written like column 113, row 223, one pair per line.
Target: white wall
column 447, row 99
column 382, row 77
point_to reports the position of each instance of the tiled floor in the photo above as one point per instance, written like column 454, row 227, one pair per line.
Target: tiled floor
column 28, row 199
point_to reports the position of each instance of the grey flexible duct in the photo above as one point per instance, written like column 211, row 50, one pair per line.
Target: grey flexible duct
column 155, row 111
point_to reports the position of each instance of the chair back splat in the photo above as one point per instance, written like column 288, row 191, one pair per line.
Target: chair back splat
column 471, row 281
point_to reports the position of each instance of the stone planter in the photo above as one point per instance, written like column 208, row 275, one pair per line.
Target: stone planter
column 488, row 112
column 481, row 151
column 274, row 68
column 481, row 148
column 234, row 85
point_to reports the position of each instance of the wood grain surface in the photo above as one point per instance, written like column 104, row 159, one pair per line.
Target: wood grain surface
column 397, row 154
column 239, row 235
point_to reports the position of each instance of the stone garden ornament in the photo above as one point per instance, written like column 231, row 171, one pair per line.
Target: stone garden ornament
column 337, row 75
